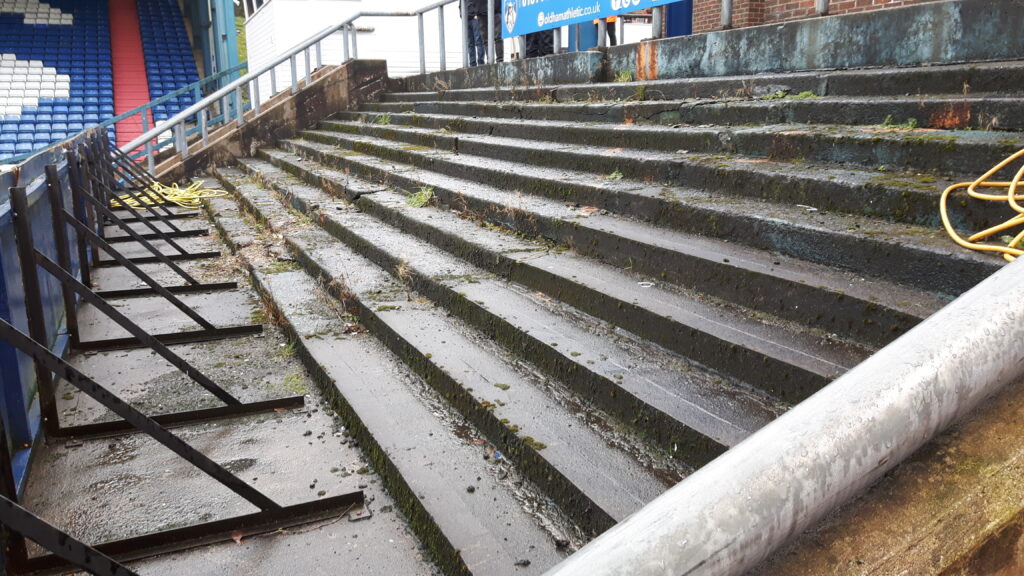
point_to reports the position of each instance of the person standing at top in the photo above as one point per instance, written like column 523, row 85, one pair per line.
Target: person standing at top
column 611, row 20
column 476, row 12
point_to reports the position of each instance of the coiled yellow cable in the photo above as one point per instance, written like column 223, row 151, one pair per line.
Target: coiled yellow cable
column 1010, row 251
column 191, row 197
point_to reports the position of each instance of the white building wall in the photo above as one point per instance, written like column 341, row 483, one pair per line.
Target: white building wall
column 280, row 24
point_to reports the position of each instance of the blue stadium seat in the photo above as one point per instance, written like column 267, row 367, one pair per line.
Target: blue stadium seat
column 79, row 53
column 169, row 61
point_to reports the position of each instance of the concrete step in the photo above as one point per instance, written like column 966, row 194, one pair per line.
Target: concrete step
column 690, row 411
column 737, row 279
column 982, row 112
column 785, row 361
column 958, row 152
column 424, row 454
column 911, row 255
column 900, row 197
column 990, row 77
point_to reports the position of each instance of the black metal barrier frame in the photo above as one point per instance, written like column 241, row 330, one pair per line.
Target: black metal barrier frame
column 93, row 183
column 104, row 559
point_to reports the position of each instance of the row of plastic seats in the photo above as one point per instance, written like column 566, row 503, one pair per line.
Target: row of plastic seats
column 170, row 64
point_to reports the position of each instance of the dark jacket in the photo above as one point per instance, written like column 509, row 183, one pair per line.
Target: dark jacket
column 478, row 8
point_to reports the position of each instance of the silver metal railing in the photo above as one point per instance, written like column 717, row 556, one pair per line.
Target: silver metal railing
column 228, row 104
column 732, row 513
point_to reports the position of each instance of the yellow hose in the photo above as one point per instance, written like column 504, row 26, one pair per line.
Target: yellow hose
column 1010, row 250
column 191, row 197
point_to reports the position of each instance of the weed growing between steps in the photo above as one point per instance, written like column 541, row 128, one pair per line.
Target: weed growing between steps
column 422, row 197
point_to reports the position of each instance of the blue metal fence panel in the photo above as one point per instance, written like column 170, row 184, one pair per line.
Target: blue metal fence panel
column 18, row 398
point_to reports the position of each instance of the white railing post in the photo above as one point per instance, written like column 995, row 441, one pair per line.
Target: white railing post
column 295, row 74
column 344, row 40
column 180, row 141
column 355, row 42
column 254, row 93
column 465, row 33
column 423, row 47
column 440, row 34
column 490, row 32
column 273, row 81
column 203, row 130
column 557, row 40
column 319, row 56
column 309, row 72
column 238, row 106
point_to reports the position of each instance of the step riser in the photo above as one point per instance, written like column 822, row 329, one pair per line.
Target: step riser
column 915, row 153
column 419, row 519
column 902, row 264
column 776, row 377
column 589, row 516
column 826, row 310
column 936, row 80
column 681, row 441
column 930, row 113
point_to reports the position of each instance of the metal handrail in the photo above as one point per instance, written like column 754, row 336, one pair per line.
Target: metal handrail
column 735, row 511
column 230, row 98
column 198, row 112
column 195, row 87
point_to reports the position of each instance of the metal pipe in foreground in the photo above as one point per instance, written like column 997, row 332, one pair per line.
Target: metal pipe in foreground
column 726, row 13
column 732, row 513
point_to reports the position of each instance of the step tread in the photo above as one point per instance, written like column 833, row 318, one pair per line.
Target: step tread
column 761, row 78
column 489, row 526
column 911, row 301
column 626, row 480
column 1002, row 140
column 712, row 404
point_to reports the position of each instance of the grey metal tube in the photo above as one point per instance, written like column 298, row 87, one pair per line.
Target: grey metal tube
column 557, row 40
column 180, row 142
column 657, row 21
column 732, row 513
column 602, row 33
column 423, row 46
column 344, row 40
column 440, row 36
column 295, row 74
column 490, row 32
column 203, row 129
column 821, row 7
column 726, row 13
column 309, row 71
column 354, row 34
column 465, row 33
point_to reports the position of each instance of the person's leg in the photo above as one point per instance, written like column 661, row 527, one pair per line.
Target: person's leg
column 612, row 41
column 546, row 41
column 475, row 47
column 532, row 45
column 499, row 44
